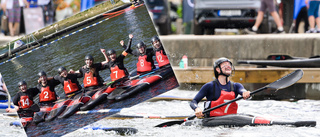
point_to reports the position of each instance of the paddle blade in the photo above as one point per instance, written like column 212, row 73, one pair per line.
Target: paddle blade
column 287, row 80
column 297, row 123
column 34, row 108
column 170, row 123
column 119, row 130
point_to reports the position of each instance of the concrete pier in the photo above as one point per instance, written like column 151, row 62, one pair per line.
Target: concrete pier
column 202, row 51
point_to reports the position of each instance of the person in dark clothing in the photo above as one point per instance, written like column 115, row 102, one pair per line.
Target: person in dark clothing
column 144, row 54
column 23, row 99
column 219, row 90
column 115, row 63
column 46, row 87
column 90, row 72
column 69, row 82
column 160, row 54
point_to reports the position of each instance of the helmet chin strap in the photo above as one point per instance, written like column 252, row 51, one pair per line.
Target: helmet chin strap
column 221, row 73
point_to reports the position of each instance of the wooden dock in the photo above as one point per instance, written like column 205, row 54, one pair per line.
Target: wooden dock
column 200, row 75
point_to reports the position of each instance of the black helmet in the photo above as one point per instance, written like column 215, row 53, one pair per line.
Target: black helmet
column 111, row 51
column 20, row 83
column 88, row 57
column 155, row 38
column 60, row 69
column 141, row 44
column 42, row 73
column 217, row 64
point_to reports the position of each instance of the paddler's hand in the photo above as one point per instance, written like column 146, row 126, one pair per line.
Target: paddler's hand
column 199, row 113
column 71, row 71
column 246, row 94
column 130, row 36
column 122, row 43
column 103, row 51
column 10, row 110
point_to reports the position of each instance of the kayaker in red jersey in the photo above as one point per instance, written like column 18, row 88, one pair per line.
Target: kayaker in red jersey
column 46, row 87
column 144, row 54
column 114, row 63
column 69, row 82
column 23, row 100
column 90, row 72
column 161, row 55
column 219, row 91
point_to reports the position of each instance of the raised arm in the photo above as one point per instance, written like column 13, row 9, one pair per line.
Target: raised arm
column 125, row 47
column 103, row 51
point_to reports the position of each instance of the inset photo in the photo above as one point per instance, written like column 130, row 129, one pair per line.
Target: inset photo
column 90, row 70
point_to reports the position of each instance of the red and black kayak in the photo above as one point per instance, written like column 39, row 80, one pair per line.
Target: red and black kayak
column 240, row 120
column 117, row 90
column 58, row 108
column 78, row 101
column 286, row 61
column 66, row 108
column 45, row 109
column 26, row 115
column 125, row 87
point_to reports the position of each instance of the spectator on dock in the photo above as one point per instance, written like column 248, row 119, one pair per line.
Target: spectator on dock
column 270, row 5
column 13, row 9
column 313, row 15
column 48, row 11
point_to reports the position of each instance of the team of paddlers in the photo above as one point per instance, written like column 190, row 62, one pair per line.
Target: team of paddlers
column 24, row 99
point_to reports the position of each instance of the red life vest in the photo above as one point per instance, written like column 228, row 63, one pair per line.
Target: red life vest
column 161, row 58
column 116, row 73
column 89, row 81
column 25, row 102
column 143, row 65
column 70, row 87
column 47, row 95
column 227, row 109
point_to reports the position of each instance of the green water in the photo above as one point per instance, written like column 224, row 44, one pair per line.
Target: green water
column 70, row 51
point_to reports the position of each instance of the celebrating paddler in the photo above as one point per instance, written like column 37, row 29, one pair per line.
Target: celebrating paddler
column 69, row 82
column 219, row 90
column 23, row 100
column 144, row 54
column 46, row 87
column 161, row 55
column 115, row 63
column 90, row 72
column 47, row 96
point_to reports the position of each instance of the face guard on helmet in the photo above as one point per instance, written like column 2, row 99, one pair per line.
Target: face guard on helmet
column 60, row 69
column 217, row 65
column 141, row 47
column 156, row 42
column 22, row 83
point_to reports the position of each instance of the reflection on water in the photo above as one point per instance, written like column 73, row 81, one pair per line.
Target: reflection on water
column 300, row 110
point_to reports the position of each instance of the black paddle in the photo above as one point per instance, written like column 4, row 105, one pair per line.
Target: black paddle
column 281, row 83
column 34, row 108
